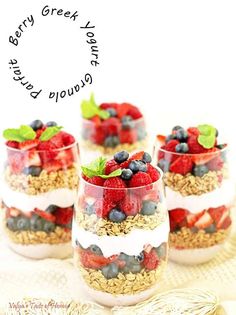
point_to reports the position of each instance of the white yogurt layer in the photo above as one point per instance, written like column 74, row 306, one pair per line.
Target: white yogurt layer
column 130, row 244
column 220, row 196
column 41, row 251
column 62, row 197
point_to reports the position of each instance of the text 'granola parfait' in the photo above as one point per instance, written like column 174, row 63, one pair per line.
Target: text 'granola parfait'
column 39, row 189
column 121, row 228
column 111, row 127
column 199, row 193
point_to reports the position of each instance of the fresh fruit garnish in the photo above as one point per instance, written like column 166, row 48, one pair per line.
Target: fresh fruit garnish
column 151, row 260
column 161, row 139
column 32, row 158
column 130, row 206
column 63, row 215
column 177, row 215
column 114, row 194
column 28, row 144
column 204, row 221
column 90, row 109
column 128, row 136
column 171, row 145
column 182, row 165
column 52, row 166
column 90, row 260
column 207, row 136
column 218, row 214
column 215, row 164
column 153, row 173
column 102, row 207
column 98, row 168
column 140, row 179
column 136, row 156
column 45, row 215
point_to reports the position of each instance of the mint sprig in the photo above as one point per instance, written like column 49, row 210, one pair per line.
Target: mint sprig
column 49, row 133
column 89, row 109
column 207, row 136
column 19, row 135
column 97, row 168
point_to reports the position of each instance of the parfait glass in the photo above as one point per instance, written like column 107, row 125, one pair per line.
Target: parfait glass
column 39, row 190
column 120, row 255
column 199, row 202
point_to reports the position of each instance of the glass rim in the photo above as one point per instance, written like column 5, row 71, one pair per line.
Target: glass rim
column 36, row 150
column 126, row 188
column 91, row 122
column 194, row 154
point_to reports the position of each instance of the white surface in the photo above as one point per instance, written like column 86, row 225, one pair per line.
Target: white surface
column 62, row 197
column 42, row 251
column 194, row 204
column 193, row 256
column 130, row 244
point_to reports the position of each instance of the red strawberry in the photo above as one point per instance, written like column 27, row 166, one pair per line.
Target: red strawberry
column 90, row 260
column 130, row 206
column 135, row 156
column 32, row 158
column 109, row 105
column 103, row 207
column 111, row 166
column 153, row 172
column 226, row 223
column 161, row 139
column 28, row 144
column 96, row 120
column 111, row 126
column 98, row 135
column 45, row 215
column 193, row 131
column 52, row 166
column 215, row 164
column 225, row 214
column 140, row 179
column 170, row 146
column 194, row 146
column 152, row 195
column 16, row 161
column 161, row 154
column 63, row 215
column 13, row 212
column 47, row 151
column 94, row 191
column 134, row 112
column 128, row 136
column 96, row 180
column 204, row 158
column 67, row 138
column 177, row 215
column 39, row 132
column 217, row 213
column 57, row 140
column 65, row 157
column 12, row 144
column 151, row 260
column 182, row 165
column 116, row 194
column 191, row 220
column 173, row 226
column 123, row 109
column 204, row 221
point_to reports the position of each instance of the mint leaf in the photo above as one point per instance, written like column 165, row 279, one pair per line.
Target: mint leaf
column 27, row 132
column 103, row 114
column 113, row 174
column 207, row 130
column 89, row 109
column 49, row 133
column 207, row 142
column 13, row 135
column 88, row 172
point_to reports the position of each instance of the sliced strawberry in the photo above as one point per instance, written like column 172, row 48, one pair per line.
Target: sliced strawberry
column 217, row 213
column 204, row 158
column 96, row 120
column 29, row 144
column 222, row 219
column 226, row 223
column 134, row 112
column 135, row 156
column 65, row 157
column 216, row 164
column 193, row 218
column 32, row 158
column 204, row 221
column 52, row 166
column 151, row 260
column 182, row 165
column 13, row 212
column 123, row 109
column 177, row 215
column 161, row 139
column 130, row 206
column 12, row 144
column 193, row 131
column 63, row 215
column 45, row 215
column 108, row 105
column 16, row 161
column 90, row 260
column 57, row 140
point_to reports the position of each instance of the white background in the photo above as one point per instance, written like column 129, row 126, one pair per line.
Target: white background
column 176, row 60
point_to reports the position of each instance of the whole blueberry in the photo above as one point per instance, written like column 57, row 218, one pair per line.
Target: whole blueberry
column 23, row 224
column 51, row 208
column 51, row 124
column 112, row 112
column 110, row 271
column 220, row 146
column 147, row 158
column 138, row 166
column 175, row 128
column 89, row 209
column 161, row 251
column 116, row 215
column 36, row 223
column 96, row 250
column 210, row 229
column 48, row 226
column 170, row 137
column 32, row 170
column 121, row 156
column 149, row 207
column 182, row 148
column 12, row 223
column 77, row 242
column 200, row 170
column 140, row 257
column 111, row 141
column 141, row 132
column 135, row 268
column 217, row 133
column 36, row 124
column 181, row 135
column 126, row 174
column 127, row 122
column 164, row 165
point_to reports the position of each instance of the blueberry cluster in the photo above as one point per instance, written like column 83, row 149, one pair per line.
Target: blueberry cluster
column 38, row 124
column 134, row 166
column 180, row 134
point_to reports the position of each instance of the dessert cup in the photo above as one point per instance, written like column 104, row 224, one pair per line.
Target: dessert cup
column 39, row 190
column 199, row 197
column 120, row 239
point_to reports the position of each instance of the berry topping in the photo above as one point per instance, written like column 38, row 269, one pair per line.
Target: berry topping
column 36, row 124
column 111, row 166
column 181, row 148
column 151, row 260
column 194, row 146
column 130, row 206
column 153, row 173
column 28, row 144
column 110, row 271
column 140, row 179
column 149, row 207
column 45, row 215
column 126, row 174
column 147, row 158
column 177, row 215
column 127, row 122
column 51, row 124
column 175, row 128
column 63, row 215
column 204, row 221
column 182, row 165
column 114, row 194
column 112, row 112
column 102, row 207
column 121, row 156
column 117, row 216
column 138, row 166
column 200, row 170
column 171, row 145
column 181, row 135
column 111, row 141
column 12, row 144
column 32, row 170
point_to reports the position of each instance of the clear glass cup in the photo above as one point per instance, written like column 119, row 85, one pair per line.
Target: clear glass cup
column 121, row 254
column 108, row 137
column 198, row 202
column 39, row 190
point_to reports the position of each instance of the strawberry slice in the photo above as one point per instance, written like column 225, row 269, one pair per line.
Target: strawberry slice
column 90, row 260
column 217, row 213
column 32, row 158
column 151, row 260
column 16, row 161
column 204, row 221
column 123, row 109
column 29, row 144
column 13, row 212
column 204, row 158
column 63, row 215
column 177, row 215
column 222, row 219
column 161, row 139
column 193, row 218
column 45, row 215
column 65, row 157
column 52, row 166
column 135, row 156
column 226, row 223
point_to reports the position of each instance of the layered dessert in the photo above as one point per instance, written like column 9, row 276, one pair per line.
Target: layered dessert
column 121, row 228
column 198, row 192
column 111, row 127
column 39, row 189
